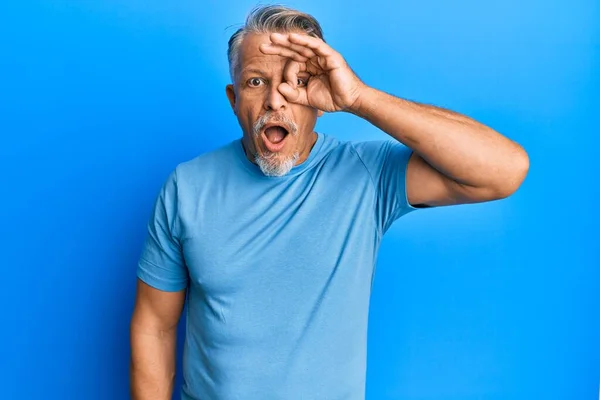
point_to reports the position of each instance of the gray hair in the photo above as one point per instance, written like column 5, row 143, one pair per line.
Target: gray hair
column 268, row 19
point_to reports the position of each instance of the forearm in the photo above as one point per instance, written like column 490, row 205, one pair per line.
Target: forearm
column 457, row 146
column 152, row 369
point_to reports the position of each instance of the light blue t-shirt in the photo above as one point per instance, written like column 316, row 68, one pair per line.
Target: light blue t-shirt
column 279, row 270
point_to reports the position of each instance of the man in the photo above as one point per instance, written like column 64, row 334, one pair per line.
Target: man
column 274, row 237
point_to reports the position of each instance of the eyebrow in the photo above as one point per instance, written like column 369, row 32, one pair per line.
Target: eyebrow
column 263, row 73
column 253, row 70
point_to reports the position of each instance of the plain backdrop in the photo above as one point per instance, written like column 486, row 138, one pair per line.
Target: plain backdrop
column 100, row 100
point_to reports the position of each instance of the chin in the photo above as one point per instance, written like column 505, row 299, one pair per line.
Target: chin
column 276, row 164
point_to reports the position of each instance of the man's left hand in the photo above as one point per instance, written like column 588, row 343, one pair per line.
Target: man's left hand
column 331, row 85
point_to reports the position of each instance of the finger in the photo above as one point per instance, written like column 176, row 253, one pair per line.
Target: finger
column 282, row 40
column 318, row 46
column 290, row 72
column 282, row 51
column 292, row 95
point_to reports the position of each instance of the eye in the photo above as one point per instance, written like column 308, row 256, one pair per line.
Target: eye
column 302, row 81
column 254, row 82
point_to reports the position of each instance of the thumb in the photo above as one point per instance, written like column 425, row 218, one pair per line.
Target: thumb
column 293, row 95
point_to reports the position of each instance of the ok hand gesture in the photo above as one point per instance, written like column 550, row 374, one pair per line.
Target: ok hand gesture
column 331, row 86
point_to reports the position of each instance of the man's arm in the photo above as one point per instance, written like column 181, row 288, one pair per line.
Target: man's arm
column 153, row 336
column 456, row 159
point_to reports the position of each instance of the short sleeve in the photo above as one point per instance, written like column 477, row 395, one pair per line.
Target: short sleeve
column 161, row 264
column 387, row 162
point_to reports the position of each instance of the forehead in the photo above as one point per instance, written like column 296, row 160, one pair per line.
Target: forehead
column 250, row 54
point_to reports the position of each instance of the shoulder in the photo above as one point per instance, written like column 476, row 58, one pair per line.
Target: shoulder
column 206, row 164
column 354, row 148
column 371, row 154
column 367, row 149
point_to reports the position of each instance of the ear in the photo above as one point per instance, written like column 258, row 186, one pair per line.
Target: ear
column 231, row 96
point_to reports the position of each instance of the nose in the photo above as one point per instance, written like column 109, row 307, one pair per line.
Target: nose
column 275, row 100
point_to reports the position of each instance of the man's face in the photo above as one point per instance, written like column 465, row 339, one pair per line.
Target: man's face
column 279, row 133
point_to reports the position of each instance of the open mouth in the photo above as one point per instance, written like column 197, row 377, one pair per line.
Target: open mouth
column 274, row 136
column 275, row 133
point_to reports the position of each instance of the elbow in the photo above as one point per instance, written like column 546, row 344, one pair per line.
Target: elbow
column 514, row 176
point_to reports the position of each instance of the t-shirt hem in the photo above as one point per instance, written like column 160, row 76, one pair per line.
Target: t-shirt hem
column 156, row 282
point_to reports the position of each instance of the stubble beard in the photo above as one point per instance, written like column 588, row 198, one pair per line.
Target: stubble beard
column 275, row 163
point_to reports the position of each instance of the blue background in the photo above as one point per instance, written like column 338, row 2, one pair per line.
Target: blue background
column 99, row 100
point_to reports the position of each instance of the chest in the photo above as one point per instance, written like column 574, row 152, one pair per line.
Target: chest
column 279, row 236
